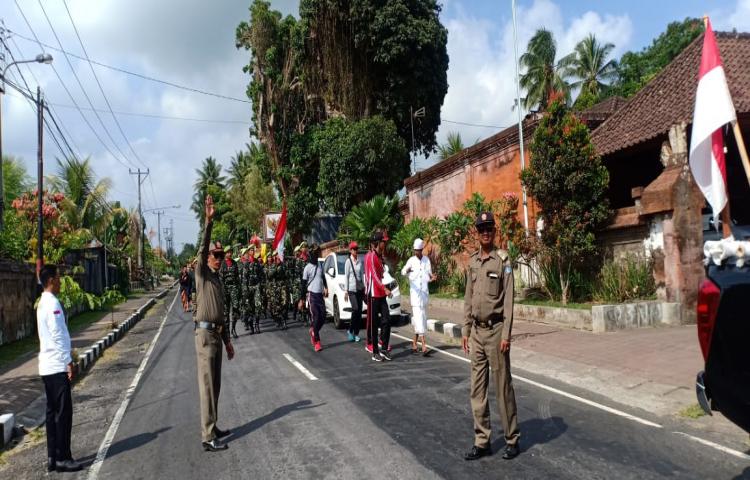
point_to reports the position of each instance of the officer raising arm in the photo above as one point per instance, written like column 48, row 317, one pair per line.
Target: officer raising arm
column 488, row 319
column 210, row 332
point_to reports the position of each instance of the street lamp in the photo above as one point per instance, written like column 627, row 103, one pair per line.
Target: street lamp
column 45, row 58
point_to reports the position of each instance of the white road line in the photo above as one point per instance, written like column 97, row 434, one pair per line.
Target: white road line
column 722, row 448
column 555, row 390
column 300, row 367
column 110, row 436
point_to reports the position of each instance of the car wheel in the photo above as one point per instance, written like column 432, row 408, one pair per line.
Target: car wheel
column 336, row 314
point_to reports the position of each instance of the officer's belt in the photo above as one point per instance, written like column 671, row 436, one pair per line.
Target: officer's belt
column 487, row 324
column 207, row 325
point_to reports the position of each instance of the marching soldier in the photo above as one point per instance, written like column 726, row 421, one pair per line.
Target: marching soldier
column 488, row 319
column 276, row 290
column 230, row 280
column 244, row 268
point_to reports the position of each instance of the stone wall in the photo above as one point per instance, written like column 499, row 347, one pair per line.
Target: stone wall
column 17, row 289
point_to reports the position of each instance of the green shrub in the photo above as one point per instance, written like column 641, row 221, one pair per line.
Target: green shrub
column 13, row 243
column 626, row 280
column 112, row 297
column 73, row 296
column 579, row 289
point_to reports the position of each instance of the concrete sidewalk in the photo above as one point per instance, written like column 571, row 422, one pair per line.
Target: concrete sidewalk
column 20, row 384
column 652, row 369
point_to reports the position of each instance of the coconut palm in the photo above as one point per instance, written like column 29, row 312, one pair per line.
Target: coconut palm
column 15, row 179
column 238, row 168
column 453, row 144
column 589, row 65
column 85, row 205
column 208, row 174
column 381, row 212
column 543, row 77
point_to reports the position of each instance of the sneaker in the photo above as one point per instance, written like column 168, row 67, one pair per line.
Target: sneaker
column 385, row 355
column 350, row 336
column 318, row 346
column 312, row 337
column 376, row 358
column 357, row 339
column 380, row 342
column 368, row 347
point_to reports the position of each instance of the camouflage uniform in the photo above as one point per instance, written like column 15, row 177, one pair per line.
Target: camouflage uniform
column 254, row 301
column 245, row 307
column 230, row 279
column 278, row 293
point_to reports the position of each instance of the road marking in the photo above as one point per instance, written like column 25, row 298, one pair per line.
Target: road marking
column 722, row 448
column 590, row 403
column 300, row 367
column 110, row 436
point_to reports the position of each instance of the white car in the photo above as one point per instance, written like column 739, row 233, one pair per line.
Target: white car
column 341, row 309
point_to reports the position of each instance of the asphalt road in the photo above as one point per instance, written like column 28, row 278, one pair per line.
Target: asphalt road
column 409, row 418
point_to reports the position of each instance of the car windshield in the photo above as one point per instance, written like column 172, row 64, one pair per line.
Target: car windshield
column 341, row 261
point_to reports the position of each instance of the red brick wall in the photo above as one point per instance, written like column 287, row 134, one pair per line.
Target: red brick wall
column 492, row 176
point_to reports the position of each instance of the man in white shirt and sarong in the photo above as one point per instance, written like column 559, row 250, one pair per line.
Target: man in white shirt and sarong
column 419, row 272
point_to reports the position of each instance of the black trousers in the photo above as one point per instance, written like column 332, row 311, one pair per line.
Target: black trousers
column 356, row 298
column 379, row 318
column 59, row 415
column 318, row 312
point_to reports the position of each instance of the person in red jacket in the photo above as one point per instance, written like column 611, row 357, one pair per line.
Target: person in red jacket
column 378, row 317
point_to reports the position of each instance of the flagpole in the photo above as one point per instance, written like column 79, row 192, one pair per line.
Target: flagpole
column 742, row 149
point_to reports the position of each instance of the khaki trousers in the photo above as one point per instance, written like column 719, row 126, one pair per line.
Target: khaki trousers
column 208, row 351
column 484, row 345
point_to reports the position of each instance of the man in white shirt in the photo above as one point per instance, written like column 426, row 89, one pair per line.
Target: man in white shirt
column 56, row 370
column 419, row 271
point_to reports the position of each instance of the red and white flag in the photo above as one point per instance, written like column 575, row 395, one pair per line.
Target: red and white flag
column 713, row 110
column 280, row 235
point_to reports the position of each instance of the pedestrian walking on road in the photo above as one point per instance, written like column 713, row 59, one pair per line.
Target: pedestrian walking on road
column 488, row 320
column 316, row 292
column 378, row 316
column 211, row 331
column 418, row 270
column 355, row 290
column 56, row 369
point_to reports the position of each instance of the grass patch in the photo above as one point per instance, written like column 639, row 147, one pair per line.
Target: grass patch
column 450, row 296
column 693, row 411
column 14, row 350
column 550, row 303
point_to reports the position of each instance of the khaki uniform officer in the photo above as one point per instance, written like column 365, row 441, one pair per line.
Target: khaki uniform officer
column 488, row 319
column 210, row 331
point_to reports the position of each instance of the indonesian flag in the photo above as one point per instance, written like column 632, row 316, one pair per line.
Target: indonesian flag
column 280, row 236
column 713, row 110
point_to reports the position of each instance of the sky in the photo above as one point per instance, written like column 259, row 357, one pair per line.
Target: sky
column 191, row 43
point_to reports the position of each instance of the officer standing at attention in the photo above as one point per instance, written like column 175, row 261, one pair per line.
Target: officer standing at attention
column 210, row 331
column 488, row 319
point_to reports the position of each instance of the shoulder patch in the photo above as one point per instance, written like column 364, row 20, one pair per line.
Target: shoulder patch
column 508, row 270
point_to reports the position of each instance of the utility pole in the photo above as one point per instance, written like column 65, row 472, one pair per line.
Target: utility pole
column 3, row 62
column 520, row 120
column 159, row 213
column 140, row 214
column 39, row 181
column 412, row 115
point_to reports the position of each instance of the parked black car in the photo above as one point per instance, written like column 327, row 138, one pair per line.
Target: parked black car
column 724, row 335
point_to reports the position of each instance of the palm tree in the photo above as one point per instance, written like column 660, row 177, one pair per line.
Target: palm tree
column 238, row 168
column 381, row 212
column 208, row 174
column 85, row 204
column 15, row 179
column 543, row 77
column 588, row 63
column 453, row 144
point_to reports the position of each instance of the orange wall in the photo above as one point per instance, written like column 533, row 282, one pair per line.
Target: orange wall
column 492, row 177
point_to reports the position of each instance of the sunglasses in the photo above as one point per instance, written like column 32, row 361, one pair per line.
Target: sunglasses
column 485, row 229
column 218, row 256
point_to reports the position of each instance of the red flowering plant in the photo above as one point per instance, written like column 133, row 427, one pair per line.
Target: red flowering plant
column 55, row 228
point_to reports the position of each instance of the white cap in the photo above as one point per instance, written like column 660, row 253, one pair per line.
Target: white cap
column 418, row 244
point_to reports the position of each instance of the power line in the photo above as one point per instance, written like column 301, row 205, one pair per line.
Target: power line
column 159, row 117
column 80, row 84
column 141, row 75
column 67, row 90
column 473, row 124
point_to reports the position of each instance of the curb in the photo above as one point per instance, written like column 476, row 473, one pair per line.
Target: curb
column 448, row 329
column 33, row 416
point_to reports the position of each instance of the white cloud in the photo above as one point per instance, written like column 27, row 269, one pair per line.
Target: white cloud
column 481, row 76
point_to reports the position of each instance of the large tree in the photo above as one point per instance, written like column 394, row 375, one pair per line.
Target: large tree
column 543, row 76
column 250, row 200
column 591, row 66
column 636, row 69
column 358, row 160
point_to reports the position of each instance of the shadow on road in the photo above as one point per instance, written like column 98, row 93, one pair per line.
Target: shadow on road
column 134, row 442
column 536, row 431
column 280, row 412
column 744, row 475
